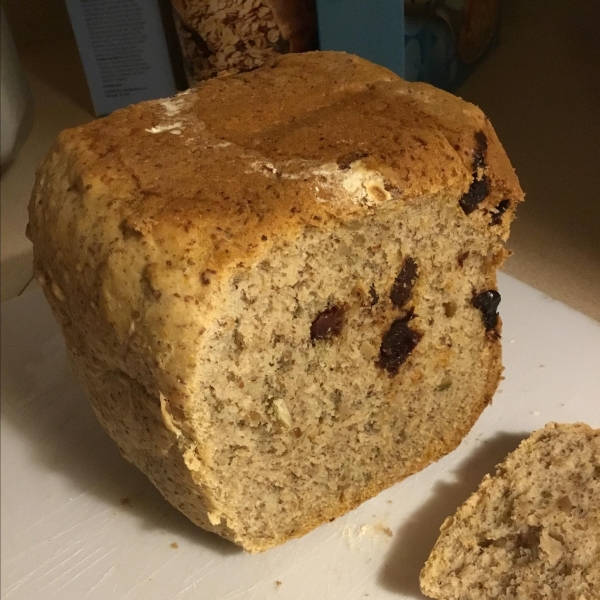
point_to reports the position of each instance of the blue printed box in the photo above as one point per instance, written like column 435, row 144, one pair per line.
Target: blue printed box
column 436, row 41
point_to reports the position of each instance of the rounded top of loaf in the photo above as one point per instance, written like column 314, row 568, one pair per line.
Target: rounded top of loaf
column 305, row 139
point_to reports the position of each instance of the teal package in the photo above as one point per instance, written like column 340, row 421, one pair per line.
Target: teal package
column 430, row 53
column 373, row 30
column 420, row 40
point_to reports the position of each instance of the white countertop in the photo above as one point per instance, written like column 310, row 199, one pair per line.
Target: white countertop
column 540, row 87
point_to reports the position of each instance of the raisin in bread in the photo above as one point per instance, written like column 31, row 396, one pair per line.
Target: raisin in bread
column 532, row 531
column 279, row 288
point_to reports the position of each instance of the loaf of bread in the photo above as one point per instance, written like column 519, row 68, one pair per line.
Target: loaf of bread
column 532, row 531
column 279, row 288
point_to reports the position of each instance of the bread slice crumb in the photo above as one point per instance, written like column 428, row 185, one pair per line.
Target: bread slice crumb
column 531, row 531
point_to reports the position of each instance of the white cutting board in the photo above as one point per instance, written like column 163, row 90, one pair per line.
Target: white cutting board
column 78, row 522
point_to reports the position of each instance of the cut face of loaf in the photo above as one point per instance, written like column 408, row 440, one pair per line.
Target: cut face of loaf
column 531, row 531
column 279, row 289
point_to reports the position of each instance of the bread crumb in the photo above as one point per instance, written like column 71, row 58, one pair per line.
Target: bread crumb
column 552, row 547
column 214, row 518
column 370, row 531
column 174, row 545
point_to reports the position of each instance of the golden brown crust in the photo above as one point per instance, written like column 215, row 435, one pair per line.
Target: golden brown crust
column 420, row 137
column 145, row 211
